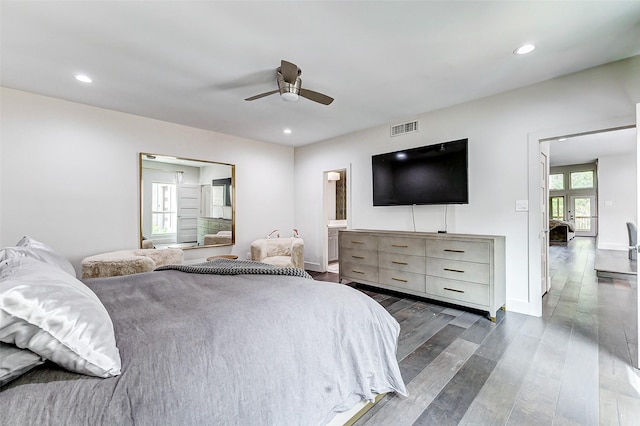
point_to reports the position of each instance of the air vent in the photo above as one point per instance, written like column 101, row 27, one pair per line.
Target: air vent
column 404, row 128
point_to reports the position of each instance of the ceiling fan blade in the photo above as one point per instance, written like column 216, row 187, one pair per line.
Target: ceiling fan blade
column 315, row 96
column 262, row 95
column 289, row 71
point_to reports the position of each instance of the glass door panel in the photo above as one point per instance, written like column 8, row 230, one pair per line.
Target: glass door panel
column 584, row 216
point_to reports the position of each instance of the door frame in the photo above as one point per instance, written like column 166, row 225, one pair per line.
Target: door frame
column 533, row 304
column 637, row 365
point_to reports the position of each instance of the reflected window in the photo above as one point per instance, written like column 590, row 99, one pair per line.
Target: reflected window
column 164, row 213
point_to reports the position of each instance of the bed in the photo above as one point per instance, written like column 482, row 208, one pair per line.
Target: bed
column 561, row 231
column 221, row 348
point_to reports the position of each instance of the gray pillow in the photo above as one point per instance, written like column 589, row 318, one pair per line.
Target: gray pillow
column 28, row 247
column 14, row 362
column 51, row 313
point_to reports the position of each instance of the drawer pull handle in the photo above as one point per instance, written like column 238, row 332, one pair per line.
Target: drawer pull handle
column 357, row 257
column 357, row 272
column 454, row 251
column 399, row 279
column 454, row 270
column 399, row 245
column 357, row 242
column 453, row 289
column 399, row 263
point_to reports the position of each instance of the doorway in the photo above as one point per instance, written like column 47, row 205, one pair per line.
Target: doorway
column 334, row 216
column 591, row 212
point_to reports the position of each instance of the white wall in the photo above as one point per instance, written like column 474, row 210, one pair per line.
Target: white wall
column 498, row 129
column 617, row 199
column 69, row 175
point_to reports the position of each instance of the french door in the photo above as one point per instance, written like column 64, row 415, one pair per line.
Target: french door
column 584, row 214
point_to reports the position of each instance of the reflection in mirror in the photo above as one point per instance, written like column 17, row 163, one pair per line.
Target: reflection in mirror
column 186, row 203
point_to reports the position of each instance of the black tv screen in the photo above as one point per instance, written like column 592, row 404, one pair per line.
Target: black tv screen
column 434, row 174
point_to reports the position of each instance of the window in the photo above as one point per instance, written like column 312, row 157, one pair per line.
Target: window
column 164, row 211
column 557, row 208
column 556, row 182
column 581, row 180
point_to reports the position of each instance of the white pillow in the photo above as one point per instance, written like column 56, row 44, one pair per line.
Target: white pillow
column 49, row 312
column 28, row 247
column 14, row 362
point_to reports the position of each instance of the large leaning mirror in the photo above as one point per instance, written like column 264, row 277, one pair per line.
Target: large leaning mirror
column 186, row 203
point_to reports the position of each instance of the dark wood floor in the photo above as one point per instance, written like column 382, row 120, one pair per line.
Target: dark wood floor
column 572, row 366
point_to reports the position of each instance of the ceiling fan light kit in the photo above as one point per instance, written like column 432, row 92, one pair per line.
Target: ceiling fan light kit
column 290, row 86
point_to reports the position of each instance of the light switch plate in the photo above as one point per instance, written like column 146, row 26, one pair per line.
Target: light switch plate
column 522, row 205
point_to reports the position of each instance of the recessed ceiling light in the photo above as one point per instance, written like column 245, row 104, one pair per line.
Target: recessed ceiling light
column 562, row 139
column 83, row 78
column 524, row 49
column 287, row 131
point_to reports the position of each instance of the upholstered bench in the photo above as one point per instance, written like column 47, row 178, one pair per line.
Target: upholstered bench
column 127, row 262
column 222, row 237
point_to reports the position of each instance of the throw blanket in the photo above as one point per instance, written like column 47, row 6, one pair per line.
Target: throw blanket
column 555, row 223
column 235, row 267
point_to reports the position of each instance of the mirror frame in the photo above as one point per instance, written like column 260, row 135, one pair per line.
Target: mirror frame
column 142, row 156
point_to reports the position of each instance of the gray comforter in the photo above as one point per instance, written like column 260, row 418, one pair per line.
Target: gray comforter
column 221, row 350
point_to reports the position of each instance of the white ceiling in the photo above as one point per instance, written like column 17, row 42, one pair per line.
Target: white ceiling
column 588, row 148
column 194, row 63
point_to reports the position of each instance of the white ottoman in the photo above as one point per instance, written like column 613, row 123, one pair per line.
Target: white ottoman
column 127, row 262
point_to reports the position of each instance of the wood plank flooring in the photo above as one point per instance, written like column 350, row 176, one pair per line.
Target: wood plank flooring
column 572, row 366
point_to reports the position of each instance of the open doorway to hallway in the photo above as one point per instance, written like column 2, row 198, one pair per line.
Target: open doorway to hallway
column 592, row 192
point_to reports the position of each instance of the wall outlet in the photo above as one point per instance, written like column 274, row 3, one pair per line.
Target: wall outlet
column 522, row 205
column 248, row 255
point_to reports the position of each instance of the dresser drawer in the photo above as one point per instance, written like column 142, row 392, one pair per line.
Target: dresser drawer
column 360, row 257
column 470, row 251
column 401, row 262
column 477, row 294
column 402, row 280
column 457, row 270
column 358, row 272
column 354, row 240
column 402, row 245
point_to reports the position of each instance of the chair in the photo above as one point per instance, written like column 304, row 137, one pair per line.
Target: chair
column 281, row 252
column 632, row 231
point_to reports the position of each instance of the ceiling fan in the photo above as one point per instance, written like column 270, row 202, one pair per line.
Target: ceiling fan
column 290, row 86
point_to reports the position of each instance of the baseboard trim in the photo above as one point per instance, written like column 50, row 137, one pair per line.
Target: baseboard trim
column 611, row 246
column 313, row 266
column 520, row 307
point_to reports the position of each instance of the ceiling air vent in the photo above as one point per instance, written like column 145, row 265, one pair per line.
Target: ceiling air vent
column 404, row 128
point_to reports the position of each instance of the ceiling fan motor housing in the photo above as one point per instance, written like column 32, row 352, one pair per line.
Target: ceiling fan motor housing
column 289, row 91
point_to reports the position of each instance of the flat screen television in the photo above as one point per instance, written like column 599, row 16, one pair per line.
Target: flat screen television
column 433, row 174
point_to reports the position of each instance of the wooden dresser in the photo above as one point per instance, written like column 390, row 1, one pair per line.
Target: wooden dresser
column 463, row 269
